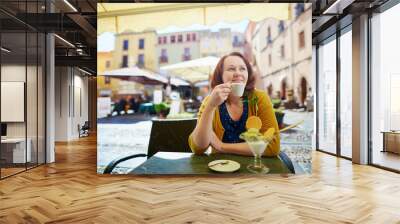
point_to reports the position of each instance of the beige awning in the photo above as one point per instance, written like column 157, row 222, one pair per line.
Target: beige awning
column 194, row 70
column 120, row 17
column 144, row 76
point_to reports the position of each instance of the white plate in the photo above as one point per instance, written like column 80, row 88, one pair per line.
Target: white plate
column 224, row 166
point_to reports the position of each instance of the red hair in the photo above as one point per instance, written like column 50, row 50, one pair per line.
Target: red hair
column 219, row 70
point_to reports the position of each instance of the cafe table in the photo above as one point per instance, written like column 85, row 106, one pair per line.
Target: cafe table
column 183, row 163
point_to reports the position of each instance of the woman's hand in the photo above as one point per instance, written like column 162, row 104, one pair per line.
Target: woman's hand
column 219, row 94
column 215, row 142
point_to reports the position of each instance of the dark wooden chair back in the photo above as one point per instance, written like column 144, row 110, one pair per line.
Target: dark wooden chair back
column 170, row 135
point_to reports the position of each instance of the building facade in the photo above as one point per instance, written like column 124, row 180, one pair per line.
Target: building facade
column 221, row 42
column 136, row 49
column 105, row 84
column 176, row 47
column 283, row 52
column 250, row 54
column 104, row 62
column 151, row 50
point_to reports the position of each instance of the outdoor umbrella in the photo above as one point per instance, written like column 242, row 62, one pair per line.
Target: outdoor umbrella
column 194, row 70
column 118, row 17
column 201, row 83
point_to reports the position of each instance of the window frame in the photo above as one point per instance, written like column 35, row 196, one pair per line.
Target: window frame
column 141, row 44
column 125, row 45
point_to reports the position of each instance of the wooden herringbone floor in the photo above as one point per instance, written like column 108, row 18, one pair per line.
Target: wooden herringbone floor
column 70, row 191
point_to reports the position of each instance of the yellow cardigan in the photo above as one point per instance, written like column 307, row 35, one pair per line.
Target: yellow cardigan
column 259, row 104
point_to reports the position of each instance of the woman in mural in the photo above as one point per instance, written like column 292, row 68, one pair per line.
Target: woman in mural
column 223, row 114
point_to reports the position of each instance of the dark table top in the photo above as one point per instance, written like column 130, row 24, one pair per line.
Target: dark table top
column 189, row 164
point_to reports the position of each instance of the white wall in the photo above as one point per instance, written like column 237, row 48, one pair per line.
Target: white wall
column 13, row 73
column 61, row 103
column 71, row 102
column 80, row 109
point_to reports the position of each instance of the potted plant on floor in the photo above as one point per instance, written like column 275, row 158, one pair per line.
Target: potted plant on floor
column 276, row 103
column 162, row 109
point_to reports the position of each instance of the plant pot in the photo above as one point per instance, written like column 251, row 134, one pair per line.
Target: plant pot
column 276, row 103
column 164, row 113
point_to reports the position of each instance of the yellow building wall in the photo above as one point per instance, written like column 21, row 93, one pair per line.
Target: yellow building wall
column 149, row 51
column 102, row 58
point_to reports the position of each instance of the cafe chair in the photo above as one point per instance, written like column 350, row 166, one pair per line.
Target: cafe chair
column 291, row 126
column 84, row 130
column 287, row 161
column 167, row 135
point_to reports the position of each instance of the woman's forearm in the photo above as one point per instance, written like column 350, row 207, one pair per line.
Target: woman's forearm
column 236, row 148
column 202, row 133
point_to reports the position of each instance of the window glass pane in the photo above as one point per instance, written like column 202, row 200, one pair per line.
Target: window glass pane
column 346, row 94
column 22, row 81
column 41, row 98
column 385, row 84
column 302, row 41
column 141, row 43
column 124, row 61
column 125, row 45
column 14, row 153
column 31, row 98
column 140, row 62
column 327, row 97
